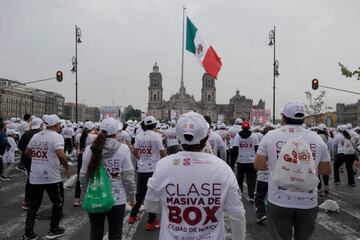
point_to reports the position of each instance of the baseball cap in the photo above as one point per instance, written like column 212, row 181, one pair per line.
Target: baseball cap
column 348, row 126
column 193, row 124
column 245, row 124
column 89, row 125
column 149, row 120
column 322, row 127
column 238, row 121
column 36, row 123
column 341, row 128
column 120, row 126
column 294, row 110
column 51, row 120
column 11, row 132
column 110, row 126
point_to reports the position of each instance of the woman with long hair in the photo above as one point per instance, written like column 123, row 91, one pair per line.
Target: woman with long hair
column 345, row 152
column 86, row 138
column 115, row 157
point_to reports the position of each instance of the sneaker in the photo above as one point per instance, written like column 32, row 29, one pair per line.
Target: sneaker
column 76, row 203
column 21, row 169
column 153, row 225
column 5, row 179
column 25, row 205
column 337, row 183
column 261, row 219
column 55, row 233
column 31, row 236
column 134, row 219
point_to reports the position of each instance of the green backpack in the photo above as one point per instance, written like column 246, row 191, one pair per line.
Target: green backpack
column 98, row 197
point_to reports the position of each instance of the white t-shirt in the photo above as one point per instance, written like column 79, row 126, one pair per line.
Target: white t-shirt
column 259, row 136
column 339, row 142
column 45, row 165
column 115, row 165
column 246, row 148
column 263, row 176
column 271, row 145
column 215, row 141
column 194, row 189
column 148, row 143
column 171, row 137
column 68, row 132
column 9, row 155
column 225, row 136
column 233, row 130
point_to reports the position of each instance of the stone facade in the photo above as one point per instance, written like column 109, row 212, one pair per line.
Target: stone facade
column 238, row 106
column 348, row 113
column 17, row 99
column 84, row 112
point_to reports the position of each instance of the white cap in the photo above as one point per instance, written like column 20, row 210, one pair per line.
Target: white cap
column 349, row 126
column 294, row 110
column 11, row 132
column 341, row 128
column 121, row 125
column 238, row 121
column 110, row 126
column 149, row 120
column 173, row 122
column 89, row 125
column 97, row 125
column 36, row 123
column 51, row 120
column 193, row 124
column 322, row 127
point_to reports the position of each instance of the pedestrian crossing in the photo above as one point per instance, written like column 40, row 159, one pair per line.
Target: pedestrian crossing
column 343, row 225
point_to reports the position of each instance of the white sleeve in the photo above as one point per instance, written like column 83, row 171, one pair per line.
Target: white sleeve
column 59, row 142
column 235, row 209
column 262, row 149
column 255, row 140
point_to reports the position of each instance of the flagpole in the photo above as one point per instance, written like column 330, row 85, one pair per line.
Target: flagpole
column 182, row 66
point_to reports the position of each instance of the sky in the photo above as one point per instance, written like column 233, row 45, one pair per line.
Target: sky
column 121, row 40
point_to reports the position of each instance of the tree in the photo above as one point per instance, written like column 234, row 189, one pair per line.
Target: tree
column 315, row 104
column 348, row 73
column 131, row 113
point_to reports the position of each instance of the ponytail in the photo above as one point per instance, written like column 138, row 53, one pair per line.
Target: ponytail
column 96, row 148
column 83, row 138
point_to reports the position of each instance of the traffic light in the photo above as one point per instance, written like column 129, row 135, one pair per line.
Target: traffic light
column 315, row 84
column 59, row 76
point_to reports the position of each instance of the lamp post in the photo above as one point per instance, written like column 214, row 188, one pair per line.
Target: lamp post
column 275, row 67
column 75, row 68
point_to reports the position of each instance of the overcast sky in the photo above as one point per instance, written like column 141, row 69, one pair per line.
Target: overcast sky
column 122, row 40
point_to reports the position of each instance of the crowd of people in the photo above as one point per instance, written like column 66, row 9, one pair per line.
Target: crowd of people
column 190, row 171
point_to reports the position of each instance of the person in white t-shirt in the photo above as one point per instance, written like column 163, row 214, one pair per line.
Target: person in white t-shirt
column 233, row 130
column 172, row 143
column 68, row 134
column 46, row 150
column 192, row 189
column 216, row 142
column 289, row 208
column 148, row 149
column 9, row 155
column 245, row 147
column 116, row 159
column 122, row 135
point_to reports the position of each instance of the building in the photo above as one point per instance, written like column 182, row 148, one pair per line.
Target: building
column 348, row 113
column 328, row 118
column 16, row 99
column 238, row 106
column 84, row 112
column 110, row 111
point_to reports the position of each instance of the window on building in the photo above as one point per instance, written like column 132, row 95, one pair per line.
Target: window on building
column 209, row 98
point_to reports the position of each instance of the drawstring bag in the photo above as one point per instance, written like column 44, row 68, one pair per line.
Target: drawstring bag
column 98, row 197
column 295, row 168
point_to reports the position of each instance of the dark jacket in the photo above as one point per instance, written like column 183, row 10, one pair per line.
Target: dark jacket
column 4, row 144
column 22, row 145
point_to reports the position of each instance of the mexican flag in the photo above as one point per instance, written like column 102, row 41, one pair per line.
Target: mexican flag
column 203, row 51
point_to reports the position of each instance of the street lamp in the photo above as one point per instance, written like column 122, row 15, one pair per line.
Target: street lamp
column 75, row 68
column 275, row 67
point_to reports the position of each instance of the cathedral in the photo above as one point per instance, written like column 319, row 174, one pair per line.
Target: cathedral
column 238, row 106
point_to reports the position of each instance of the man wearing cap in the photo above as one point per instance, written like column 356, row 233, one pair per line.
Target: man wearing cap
column 288, row 209
column 36, row 126
column 245, row 147
column 148, row 149
column 172, row 144
column 46, row 150
column 192, row 189
column 233, row 130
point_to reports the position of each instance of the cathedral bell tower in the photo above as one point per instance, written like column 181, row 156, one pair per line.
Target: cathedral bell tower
column 155, row 87
column 208, row 90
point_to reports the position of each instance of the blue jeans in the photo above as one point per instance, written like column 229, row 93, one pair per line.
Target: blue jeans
column 115, row 219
